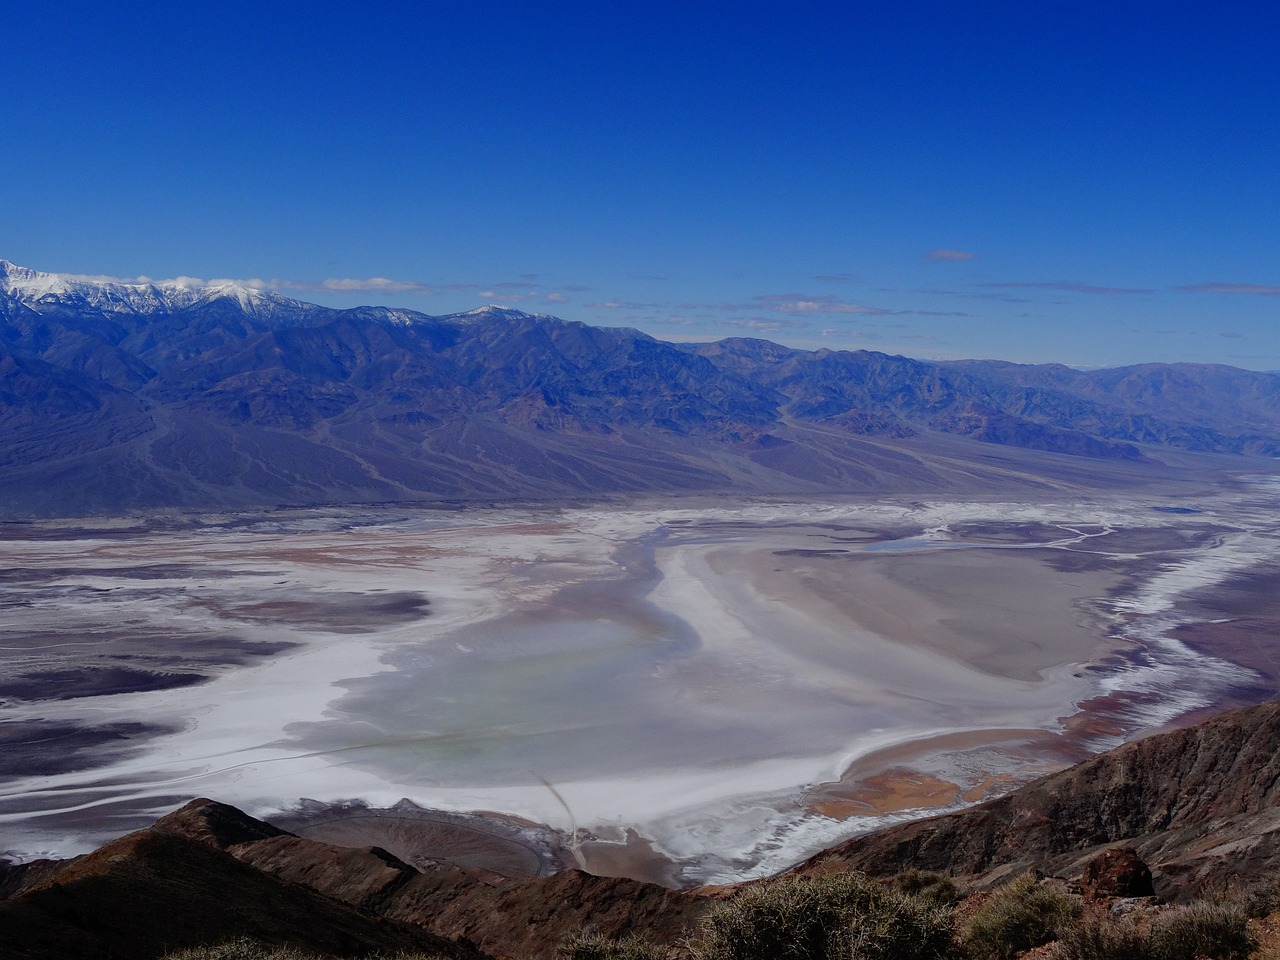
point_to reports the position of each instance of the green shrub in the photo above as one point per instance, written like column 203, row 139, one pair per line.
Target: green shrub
column 839, row 916
column 1020, row 915
column 928, row 885
column 593, row 946
column 1209, row 929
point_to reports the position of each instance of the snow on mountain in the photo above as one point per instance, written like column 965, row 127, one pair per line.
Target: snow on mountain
column 37, row 289
column 493, row 310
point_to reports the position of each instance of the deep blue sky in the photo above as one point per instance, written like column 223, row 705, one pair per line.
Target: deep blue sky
column 1089, row 183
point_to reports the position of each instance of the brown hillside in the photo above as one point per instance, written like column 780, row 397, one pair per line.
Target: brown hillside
column 525, row 918
column 1201, row 804
column 152, row 891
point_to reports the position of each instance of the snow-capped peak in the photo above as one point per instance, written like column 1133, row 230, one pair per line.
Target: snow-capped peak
column 141, row 295
column 492, row 310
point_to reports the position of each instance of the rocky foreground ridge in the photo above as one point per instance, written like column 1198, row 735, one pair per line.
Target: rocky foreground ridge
column 1201, row 807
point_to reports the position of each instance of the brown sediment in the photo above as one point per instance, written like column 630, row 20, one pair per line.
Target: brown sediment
column 635, row 857
column 896, row 779
column 890, row 792
column 992, row 785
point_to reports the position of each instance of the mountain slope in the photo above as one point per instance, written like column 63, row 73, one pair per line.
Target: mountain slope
column 1201, row 805
column 129, row 396
column 152, row 892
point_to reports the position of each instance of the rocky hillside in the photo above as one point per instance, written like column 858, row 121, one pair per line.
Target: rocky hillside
column 208, row 873
column 1201, row 806
column 126, row 396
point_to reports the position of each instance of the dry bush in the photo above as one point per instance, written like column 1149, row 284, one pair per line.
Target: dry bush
column 244, row 948
column 593, row 946
column 241, row 948
column 824, row 918
column 1020, row 915
column 1259, row 899
column 1210, row 929
column 928, row 885
column 1095, row 939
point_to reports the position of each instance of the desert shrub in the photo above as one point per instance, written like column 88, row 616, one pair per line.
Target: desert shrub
column 1020, row 915
column 241, row 948
column 593, row 946
column 1260, row 898
column 928, row 885
column 838, row 916
column 1209, row 929
column 1103, row 940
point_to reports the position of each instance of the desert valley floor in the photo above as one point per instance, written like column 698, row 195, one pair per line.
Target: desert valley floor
column 688, row 691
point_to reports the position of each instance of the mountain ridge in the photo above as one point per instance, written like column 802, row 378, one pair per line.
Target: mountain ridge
column 119, row 397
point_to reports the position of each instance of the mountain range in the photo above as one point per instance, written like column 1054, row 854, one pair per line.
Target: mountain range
column 123, row 396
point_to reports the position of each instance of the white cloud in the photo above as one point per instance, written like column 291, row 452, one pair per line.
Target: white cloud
column 378, row 284
column 800, row 303
column 502, row 293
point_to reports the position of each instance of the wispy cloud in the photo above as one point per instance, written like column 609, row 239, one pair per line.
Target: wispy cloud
column 375, row 284
column 765, row 324
column 949, row 256
column 1257, row 289
column 801, row 303
column 555, row 296
column 834, row 277
column 623, row 305
column 1068, row 288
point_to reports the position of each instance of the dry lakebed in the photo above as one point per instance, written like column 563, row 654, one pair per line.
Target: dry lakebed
column 685, row 691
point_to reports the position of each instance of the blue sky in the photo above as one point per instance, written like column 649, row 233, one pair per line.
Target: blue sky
column 1087, row 183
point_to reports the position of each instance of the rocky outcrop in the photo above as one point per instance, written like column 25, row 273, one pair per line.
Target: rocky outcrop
column 1119, row 872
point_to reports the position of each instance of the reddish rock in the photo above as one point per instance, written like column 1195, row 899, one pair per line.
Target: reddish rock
column 1119, row 872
